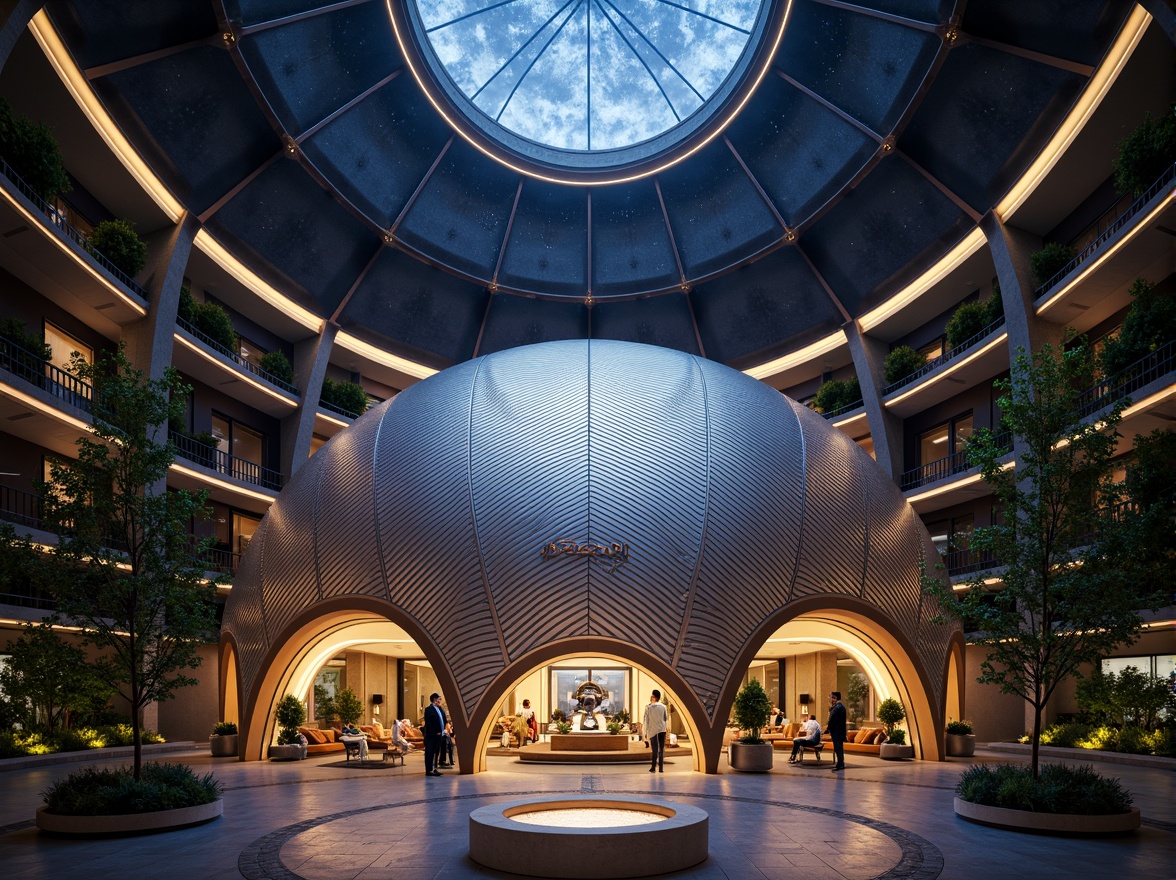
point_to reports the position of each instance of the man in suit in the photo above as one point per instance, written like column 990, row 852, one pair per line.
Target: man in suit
column 835, row 727
column 435, row 722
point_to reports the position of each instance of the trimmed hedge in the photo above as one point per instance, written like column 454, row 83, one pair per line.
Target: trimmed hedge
column 32, row 151
column 118, row 241
column 901, row 362
column 113, row 792
column 837, row 394
column 1061, row 789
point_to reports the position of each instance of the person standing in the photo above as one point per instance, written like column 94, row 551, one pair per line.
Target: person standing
column 532, row 725
column 435, row 722
column 835, row 727
column 654, row 730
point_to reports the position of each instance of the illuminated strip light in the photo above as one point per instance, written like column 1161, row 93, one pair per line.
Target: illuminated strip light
column 1157, row 624
column 1148, row 402
column 240, row 374
column 952, row 485
column 1092, row 96
column 596, row 181
column 1139, row 226
column 797, row 358
column 849, row 421
column 379, row 356
column 947, row 264
column 45, row 409
column 224, row 484
column 79, row 89
column 960, row 364
column 331, row 419
column 40, row 222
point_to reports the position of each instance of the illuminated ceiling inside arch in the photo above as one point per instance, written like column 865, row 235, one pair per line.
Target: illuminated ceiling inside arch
column 588, row 75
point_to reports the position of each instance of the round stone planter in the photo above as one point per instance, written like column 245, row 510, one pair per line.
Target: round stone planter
column 287, row 753
column 893, row 752
column 223, row 746
column 128, row 823
column 750, row 758
column 1049, row 823
column 961, row 745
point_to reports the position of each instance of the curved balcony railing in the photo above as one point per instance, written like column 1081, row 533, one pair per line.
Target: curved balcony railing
column 1164, row 181
column 1144, row 371
column 949, row 355
column 20, row 507
column 230, row 465
column 37, row 371
column 235, row 357
column 218, row 560
column 338, row 410
column 961, row 562
column 943, row 468
column 842, row 410
column 57, row 222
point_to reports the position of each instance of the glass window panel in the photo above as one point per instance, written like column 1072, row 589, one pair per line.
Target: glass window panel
column 963, row 432
column 220, row 430
column 247, row 444
column 243, row 528
column 63, row 346
column 933, row 445
column 932, row 350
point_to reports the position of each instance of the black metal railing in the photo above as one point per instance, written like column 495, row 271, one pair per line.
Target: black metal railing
column 1149, row 368
column 949, row 355
column 230, row 465
column 338, row 410
column 842, row 410
column 37, row 371
column 1165, row 180
column 58, row 222
column 961, row 562
column 28, row 598
column 949, row 466
column 216, row 559
column 20, row 507
column 235, row 357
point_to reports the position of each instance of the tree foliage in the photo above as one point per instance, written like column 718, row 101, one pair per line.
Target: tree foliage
column 970, row 318
column 752, row 710
column 32, row 151
column 837, row 394
column 891, row 712
column 290, row 713
column 347, row 396
column 46, row 679
column 1071, row 593
column 1050, row 260
column 1129, row 697
column 118, row 241
column 128, row 570
column 1146, row 153
column 1150, row 323
column 901, row 362
column 348, row 706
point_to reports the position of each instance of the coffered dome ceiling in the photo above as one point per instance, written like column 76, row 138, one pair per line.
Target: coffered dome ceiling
column 877, row 137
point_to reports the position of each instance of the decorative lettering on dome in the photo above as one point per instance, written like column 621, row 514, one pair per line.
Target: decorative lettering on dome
column 611, row 555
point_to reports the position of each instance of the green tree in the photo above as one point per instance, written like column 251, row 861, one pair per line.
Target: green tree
column 1068, row 597
column 901, row 362
column 289, row 714
column 837, row 394
column 49, row 678
column 752, row 710
column 348, row 706
column 890, row 713
column 1150, row 323
column 118, row 241
column 30, row 148
column 857, row 691
column 129, row 574
column 1146, row 153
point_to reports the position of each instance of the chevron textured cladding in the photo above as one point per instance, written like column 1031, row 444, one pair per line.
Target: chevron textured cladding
column 833, row 541
column 426, row 527
column 288, row 581
column 532, row 409
column 645, row 404
column 754, row 516
column 933, row 638
column 892, row 572
column 244, row 616
column 345, row 545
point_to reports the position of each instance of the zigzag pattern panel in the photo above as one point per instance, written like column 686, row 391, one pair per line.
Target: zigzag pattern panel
column 244, row 615
column 933, row 638
column 753, row 525
column 532, row 407
column 892, row 573
column 344, row 543
column 289, row 582
column 645, row 403
column 425, row 526
column 833, row 541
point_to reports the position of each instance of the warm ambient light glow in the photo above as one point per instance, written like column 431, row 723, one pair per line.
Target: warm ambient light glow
column 43, row 408
column 213, row 481
column 551, row 177
column 802, row 356
column 379, row 356
column 952, row 485
column 1092, row 96
column 79, row 89
column 243, row 375
column 917, row 386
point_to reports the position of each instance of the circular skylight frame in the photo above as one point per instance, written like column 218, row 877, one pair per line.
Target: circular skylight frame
column 581, row 167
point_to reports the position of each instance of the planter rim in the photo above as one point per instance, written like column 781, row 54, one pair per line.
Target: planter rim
column 1052, row 823
column 755, row 757
column 129, row 823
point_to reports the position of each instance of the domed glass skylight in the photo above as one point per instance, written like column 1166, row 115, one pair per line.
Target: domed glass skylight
column 589, row 75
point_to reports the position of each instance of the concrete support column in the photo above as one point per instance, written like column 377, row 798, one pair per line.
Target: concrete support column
column 149, row 341
column 310, row 367
column 869, row 359
column 15, row 16
column 1011, row 249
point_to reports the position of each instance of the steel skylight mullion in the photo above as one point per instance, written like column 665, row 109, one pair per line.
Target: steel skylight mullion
column 636, row 54
column 534, row 60
column 533, row 38
column 656, row 50
column 470, row 15
column 704, row 15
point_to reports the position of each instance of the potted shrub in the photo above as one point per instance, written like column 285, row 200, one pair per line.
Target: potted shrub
column 752, row 711
column 837, row 394
column 118, row 242
column 347, row 396
column 289, row 714
column 34, row 154
column 961, row 742
column 890, row 713
column 278, row 365
column 1050, row 260
column 20, row 347
column 223, row 741
column 901, row 362
column 1146, row 153
column 970, row 318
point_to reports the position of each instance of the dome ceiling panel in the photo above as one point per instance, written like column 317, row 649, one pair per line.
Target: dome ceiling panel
column 893, row 220
column 112, row 30
column 311, row 67
column 286, row 219
column 761, row 308
column 252, row 12
column 460, row 217
column 202, row 129
column 516, row 320
column 869, row 67
column 411, row 303
column 717, row 215
column 980, row 109
column 380, row 150
column 1079, row 32
column 658, row 320
column 930, row 11
column 548, row 246
column 631, row 247
column 800, row 152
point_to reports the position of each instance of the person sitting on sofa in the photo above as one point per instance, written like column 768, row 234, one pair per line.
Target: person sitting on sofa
column 812, row 737
column 352, row 734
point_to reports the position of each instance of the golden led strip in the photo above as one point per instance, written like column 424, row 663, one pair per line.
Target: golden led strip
column 797, row 358
column 960, row 364
column 224, row 484
column 244, row 375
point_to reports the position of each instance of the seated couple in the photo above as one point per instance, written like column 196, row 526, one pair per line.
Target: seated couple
column 812, row 737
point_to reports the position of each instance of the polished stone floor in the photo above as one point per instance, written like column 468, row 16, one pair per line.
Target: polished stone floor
column 320, row 818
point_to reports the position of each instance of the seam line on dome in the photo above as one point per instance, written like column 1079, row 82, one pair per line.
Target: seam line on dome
column 803, row 499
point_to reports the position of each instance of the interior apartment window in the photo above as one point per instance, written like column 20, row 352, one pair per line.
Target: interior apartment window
column 867, row 443
column 945, row 440
column 932, row 349
column 62, row 347
column 1159, row 665
column 243, row 528
column 70, row 215
column 250, row 351
column 233, row 438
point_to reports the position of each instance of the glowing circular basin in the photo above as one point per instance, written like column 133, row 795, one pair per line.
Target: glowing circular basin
column 537, row 837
